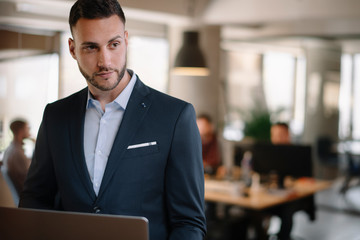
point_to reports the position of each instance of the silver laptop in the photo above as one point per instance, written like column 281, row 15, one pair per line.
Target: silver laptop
column 29, row 224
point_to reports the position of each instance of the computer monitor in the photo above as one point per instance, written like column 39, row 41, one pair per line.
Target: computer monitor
column 284, row 160
column 30, row 224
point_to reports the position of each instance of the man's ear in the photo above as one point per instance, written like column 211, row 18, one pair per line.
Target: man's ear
column 126, row 35
column 72, row 48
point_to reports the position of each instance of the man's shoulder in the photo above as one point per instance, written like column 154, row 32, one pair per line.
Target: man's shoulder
column 164, row 99
column 68, row 105
column 72, row 99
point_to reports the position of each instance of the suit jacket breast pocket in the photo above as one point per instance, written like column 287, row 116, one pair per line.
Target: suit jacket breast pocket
column 142, row 151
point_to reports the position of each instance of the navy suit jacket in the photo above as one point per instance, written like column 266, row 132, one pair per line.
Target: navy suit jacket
column 162, row 182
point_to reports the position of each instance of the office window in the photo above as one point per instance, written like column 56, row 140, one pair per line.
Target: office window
column 242, row 91
column 279, row 82
column 149, row 58
column 284, row 87
column 270, row 81
column 27, row 85
column 297, row 124
column 349, row 124
column 345, row 97
column 356, row 98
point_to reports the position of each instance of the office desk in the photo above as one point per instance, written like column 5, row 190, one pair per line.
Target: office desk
column 259, row 199
column 257, row 202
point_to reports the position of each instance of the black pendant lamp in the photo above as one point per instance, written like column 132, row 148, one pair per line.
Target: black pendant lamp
column 190, row 61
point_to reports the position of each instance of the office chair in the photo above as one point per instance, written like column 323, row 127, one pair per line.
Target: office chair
column 352, row 171
column 328, row 158
column 14, row 194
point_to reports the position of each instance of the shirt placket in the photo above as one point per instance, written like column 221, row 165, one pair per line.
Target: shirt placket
column 100, row 154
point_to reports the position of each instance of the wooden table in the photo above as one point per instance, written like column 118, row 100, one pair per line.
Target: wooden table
column 257, row 201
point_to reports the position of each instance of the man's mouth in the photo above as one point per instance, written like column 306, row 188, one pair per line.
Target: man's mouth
column 104, row 74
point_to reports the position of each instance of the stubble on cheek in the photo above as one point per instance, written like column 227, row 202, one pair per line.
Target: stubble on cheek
column 93, row 82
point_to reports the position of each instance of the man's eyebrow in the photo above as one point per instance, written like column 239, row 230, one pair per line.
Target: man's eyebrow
column 96, row 44
column 114, row 38
column 89, row 43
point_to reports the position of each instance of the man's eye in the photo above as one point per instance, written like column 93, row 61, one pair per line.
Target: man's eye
column 89, row 48
column 115, row 44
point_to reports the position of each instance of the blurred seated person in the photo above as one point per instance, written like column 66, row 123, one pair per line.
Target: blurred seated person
column 280, row 133
column 210, row 147
column 211, row 158
column 15, row 161
column 218, row 218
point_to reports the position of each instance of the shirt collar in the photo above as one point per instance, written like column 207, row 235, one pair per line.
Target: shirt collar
column 123, row 98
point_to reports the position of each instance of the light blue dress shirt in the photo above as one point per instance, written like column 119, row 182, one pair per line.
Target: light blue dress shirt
column 100, row 129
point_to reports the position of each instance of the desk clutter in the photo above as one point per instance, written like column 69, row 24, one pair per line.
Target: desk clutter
column 260, row 197
column 264, row 180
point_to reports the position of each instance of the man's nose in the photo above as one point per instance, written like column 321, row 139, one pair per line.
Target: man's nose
column 103, row 58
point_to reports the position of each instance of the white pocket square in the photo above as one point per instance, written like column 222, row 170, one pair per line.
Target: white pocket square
column 140, row 145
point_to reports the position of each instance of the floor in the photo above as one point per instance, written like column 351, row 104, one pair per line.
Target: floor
column 338, row 216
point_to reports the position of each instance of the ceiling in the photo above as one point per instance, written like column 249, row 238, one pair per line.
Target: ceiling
column 239, row 19
column 329, row 18
column 322, row 18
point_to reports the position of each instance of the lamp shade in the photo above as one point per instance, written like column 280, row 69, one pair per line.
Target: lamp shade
column 190, row 60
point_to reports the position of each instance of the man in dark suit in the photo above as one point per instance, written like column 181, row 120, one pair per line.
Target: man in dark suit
column 118, row 146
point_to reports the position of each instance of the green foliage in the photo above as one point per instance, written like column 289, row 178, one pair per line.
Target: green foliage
column 257, row 125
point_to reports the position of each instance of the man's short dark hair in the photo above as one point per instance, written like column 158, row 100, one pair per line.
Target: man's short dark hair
column 205, row 116
column 17, row 125
column 92, row 9
column 281, row 124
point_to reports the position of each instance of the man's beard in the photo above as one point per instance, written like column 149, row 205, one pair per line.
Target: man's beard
column 93, row 82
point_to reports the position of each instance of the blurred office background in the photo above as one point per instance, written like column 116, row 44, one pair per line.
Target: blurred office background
column 295, row 61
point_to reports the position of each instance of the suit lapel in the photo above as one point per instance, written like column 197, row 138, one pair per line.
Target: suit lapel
column 77, row 140
column 135, row 112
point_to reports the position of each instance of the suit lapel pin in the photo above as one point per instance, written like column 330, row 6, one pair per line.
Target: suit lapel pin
column 143, row 104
